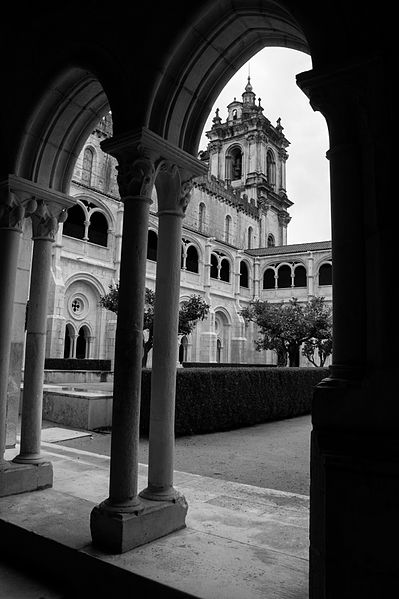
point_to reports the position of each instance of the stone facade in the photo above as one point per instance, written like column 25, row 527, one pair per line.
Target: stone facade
column 234, row 244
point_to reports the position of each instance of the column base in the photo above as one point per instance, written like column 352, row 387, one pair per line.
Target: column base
column 22, row 478
column 117, row 532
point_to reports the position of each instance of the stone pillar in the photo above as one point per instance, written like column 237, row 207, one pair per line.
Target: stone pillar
column 257, row 281
column 33, row 474
column 354, row 451
column 45, row 221
column 12, row 213
column 125, row 519
column 173, row 199
column 135, row 178
column 310, row 275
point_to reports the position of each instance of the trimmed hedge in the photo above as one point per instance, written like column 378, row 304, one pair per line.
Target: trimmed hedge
column 219, row 399
column 76, row 364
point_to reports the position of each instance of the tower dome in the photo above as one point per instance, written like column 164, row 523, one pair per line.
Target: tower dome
column 248, row 97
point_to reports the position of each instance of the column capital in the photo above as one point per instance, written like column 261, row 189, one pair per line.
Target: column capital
column 143, row 144
column 13, row 208
column 45, row 219
column 20, row 198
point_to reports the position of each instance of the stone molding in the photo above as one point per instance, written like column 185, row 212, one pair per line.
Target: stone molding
column 145, row 144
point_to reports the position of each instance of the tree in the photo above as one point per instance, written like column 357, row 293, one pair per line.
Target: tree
column 191, row 311
column 286, row 327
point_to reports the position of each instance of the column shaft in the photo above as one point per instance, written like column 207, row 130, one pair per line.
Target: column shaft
column 128, row 357
column 163, row 382
column 9, row 246
column 348, row 274
column 32, row 398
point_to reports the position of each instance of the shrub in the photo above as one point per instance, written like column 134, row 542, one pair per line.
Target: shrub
column 217, row 399
column 76, row 364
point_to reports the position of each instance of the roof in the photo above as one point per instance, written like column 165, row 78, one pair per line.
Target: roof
column 295, row 248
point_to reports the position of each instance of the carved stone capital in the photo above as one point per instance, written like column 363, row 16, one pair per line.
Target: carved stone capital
column 186, row 190
column 135, row 177
column 45, row 220
column 12, row 210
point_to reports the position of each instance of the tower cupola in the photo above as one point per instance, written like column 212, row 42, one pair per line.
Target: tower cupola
column 248, row 97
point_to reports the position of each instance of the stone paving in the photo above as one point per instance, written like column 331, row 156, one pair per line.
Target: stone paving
column 241, row 541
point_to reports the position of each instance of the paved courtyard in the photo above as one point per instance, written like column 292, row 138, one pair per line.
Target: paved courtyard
column 242, row 541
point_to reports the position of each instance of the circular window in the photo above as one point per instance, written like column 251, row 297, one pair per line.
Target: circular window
column 78, row 306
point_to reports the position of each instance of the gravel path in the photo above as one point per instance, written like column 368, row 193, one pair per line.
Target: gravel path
column 273, row 455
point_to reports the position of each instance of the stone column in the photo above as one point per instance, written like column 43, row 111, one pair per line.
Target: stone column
column 125, row 519
column 344, row 451
column 256, row 283
column 45, row 221
column 136, row 179
column 173, row 199
column 310, row 275
column 72, row 348
column 12, row 213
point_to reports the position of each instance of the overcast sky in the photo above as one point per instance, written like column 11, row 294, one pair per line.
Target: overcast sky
column 273, row 73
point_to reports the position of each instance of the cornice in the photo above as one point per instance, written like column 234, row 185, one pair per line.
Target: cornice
column 144, row 141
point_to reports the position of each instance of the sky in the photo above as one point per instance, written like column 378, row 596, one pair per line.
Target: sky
column 273, row 72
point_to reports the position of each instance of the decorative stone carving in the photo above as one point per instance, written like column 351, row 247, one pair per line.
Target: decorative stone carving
column 13, row 212
column 186, row 190
column 45, row 220
column 136, row 177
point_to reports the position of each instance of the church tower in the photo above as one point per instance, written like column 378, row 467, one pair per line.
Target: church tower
column 249, row 154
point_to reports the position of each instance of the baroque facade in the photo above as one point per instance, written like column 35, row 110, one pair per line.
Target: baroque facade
column 234, row 244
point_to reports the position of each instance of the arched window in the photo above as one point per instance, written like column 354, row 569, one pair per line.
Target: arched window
column 243, row 274
column 152, row 245
column 236, row 164
column 284, row 276
column 300, row 276
column 74, row 226
column 225, row 270
column 68, row 344
column 81, row 343
column 201, row 217
column 269, row 280
column 325, row 274
column 250, row 236
column 214, row 267
column 192, row 259
column 87, row 166
column 107, row 171
column 227, row 228
column 270, row 241
column 98, row 229
column 271, row 168
column 234, row 113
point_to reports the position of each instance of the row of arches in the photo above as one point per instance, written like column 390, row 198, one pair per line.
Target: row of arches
column 277, row 276
column 294, row 275
column 77, row 343
column 88, row 222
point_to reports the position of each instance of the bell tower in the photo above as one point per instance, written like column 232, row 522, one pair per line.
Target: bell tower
column 249, row 155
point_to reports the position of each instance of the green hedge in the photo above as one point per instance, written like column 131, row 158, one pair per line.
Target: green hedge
column 218, row 399
column 76, row 364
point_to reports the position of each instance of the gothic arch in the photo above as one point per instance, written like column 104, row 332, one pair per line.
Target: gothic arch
column 223, row 37
column 74, row 101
